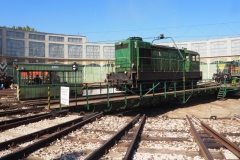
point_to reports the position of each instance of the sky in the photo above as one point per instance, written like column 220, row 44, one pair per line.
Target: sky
column 108, row 21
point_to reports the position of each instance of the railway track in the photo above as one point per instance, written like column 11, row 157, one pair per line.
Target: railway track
column 44, row 102
column 99, row 136
column 21, row 111
column 42, row 137
column 213, row 134
column 8, row 124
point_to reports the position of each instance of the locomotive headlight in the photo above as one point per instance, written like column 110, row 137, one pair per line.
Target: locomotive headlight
column 132, row 65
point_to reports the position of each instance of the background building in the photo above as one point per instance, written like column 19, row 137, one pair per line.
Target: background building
column 212, row 52
column 40, row 47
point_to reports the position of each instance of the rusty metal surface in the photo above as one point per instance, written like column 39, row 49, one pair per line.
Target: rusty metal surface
column 135, row 139
column 98, row 153
column 224, row 141
column 206, row 154
column 13, row 112
column 26, row 120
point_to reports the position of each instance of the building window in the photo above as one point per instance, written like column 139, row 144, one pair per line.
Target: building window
column 56, row 50
column 218, row 48
column 56, row 38
column 15, row 34
column 92, row 51
column 0, row 32
column 109, row 52
column 36, row 36
column 201, row 48
column 235, row 47
column 36, row 49
column 15, row 47
column 74, row 51
column 181, row 46
column 75, row 40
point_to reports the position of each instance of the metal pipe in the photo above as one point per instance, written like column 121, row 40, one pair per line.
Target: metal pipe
column 183, row 65
column 75, row 88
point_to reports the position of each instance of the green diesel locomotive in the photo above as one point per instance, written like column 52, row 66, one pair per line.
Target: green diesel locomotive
column 142, row 62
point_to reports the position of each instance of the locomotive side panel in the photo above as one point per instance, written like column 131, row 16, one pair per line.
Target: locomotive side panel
column 168, row 76
column 166, row 59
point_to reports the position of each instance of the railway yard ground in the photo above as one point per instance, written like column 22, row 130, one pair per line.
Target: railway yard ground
column 203, row 128
column 206, row 107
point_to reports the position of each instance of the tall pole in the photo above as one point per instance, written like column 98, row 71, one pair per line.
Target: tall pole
column 75, row 68
column 18, row 85
column 75, row 88
column 183, row 64
column 183, row 68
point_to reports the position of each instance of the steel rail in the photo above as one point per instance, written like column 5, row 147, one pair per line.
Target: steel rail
column 98, row 153
column 206, row 154
column 6, row 113
column 136, row 138
column 4, row 107
column 24, row 152
column 26, row 120
column 20, row 119
column 224, row 141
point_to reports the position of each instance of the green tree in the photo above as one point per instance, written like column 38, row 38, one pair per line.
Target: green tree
column 27, row 28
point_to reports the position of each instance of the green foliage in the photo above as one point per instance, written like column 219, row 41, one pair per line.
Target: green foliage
column 27, row 28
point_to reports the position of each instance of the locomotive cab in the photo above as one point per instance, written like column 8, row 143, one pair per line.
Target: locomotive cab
column 192, row 62
column 125, row 61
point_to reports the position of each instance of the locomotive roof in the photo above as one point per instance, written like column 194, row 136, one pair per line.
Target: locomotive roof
column 135, row 38
column 157, row 45
column 167, row 47
column 164, row 46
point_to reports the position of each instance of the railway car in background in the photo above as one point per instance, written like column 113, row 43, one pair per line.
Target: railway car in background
column 36, row 80
column 142, row 62
column 227, row 71
column 33, row 80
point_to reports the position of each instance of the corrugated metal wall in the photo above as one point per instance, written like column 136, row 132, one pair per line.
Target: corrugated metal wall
column 204, row 69
column 96, row 73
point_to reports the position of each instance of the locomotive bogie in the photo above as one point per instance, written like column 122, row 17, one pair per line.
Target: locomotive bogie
column 121, row 78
